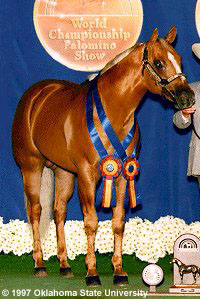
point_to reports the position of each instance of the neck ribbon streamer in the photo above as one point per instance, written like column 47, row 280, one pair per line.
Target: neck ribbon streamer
column 111, row 166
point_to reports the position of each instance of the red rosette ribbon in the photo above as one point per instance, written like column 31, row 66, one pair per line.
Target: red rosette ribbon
column 131, row 169
column 109, row 168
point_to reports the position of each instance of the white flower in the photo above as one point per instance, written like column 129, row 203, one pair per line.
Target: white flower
column 149, row 241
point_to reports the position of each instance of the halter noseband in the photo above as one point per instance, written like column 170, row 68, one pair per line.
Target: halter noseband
column 157, row 78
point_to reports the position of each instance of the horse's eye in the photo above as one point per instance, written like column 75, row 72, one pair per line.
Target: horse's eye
column 158, row 64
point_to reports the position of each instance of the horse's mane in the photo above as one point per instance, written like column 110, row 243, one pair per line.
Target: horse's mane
column 114, row 61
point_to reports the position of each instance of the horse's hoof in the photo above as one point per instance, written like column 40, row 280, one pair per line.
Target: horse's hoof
column 66, row 272
column 93, row 281
column 120, row 280
column 40, row 272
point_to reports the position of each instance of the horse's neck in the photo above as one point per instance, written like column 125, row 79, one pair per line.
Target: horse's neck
column 179, row 263
column 121, row 88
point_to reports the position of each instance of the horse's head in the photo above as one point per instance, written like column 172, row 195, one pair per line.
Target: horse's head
column 162, row 71
column 176, row 261
column 173, row 261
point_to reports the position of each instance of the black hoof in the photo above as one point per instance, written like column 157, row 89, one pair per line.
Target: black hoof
column 93, row 281
column 66, row 272
column 120, row 280
column 40, row 272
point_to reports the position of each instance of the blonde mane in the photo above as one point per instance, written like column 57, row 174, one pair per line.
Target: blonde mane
column 114, row 61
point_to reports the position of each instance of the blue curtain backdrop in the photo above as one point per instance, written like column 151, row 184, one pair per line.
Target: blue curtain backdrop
column 163, row 185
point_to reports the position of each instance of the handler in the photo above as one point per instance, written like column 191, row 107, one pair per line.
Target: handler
column 182, row 119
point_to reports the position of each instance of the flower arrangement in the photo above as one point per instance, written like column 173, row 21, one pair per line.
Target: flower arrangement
column 149, row 241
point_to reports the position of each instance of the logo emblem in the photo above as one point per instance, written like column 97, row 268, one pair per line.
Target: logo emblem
column 85, row 34
column 198, row 17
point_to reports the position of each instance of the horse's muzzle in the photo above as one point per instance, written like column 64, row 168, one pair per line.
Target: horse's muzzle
column 185, row 98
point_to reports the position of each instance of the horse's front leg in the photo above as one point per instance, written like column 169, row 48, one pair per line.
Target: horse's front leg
column 87, row 190
column 195, row 277
column 118, row 222
column 181, row 275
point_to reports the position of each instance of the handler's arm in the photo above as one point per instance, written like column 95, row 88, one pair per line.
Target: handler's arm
column 182, row 119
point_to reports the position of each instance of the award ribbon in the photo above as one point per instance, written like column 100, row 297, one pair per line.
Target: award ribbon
column 110, row 167
column 131, row 169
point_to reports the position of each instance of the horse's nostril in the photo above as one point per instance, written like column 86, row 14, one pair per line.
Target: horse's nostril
column 184, row 96
column 187, row 98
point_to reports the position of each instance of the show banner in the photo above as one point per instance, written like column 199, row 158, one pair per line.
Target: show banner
column 198, row 17
column 85, row 34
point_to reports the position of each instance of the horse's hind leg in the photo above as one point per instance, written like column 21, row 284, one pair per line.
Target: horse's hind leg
column 118, row 222
column 32, row 173
column 87, row 189
column 64, row 191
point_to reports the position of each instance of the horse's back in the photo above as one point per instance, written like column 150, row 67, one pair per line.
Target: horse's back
column 41, row 109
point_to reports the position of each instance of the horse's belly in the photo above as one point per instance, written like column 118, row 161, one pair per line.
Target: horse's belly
column 53, row 147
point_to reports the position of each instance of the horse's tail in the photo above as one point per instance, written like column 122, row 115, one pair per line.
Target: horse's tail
column 46, row 200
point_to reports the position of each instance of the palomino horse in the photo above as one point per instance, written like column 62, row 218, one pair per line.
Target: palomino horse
column 50, row 129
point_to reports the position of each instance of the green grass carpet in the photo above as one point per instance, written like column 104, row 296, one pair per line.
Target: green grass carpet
column 16, row 275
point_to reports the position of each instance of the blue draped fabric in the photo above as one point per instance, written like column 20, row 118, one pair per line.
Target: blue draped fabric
column 163, row 184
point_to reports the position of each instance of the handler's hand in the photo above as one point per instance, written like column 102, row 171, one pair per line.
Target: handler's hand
column 188, row 111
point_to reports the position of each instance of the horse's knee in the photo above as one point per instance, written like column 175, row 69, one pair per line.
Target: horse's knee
column 118, row 225
column 91, row 223
column 91, row 228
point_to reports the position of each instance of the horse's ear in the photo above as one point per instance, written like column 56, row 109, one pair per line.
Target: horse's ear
column 171, row 35
column 154, row 36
